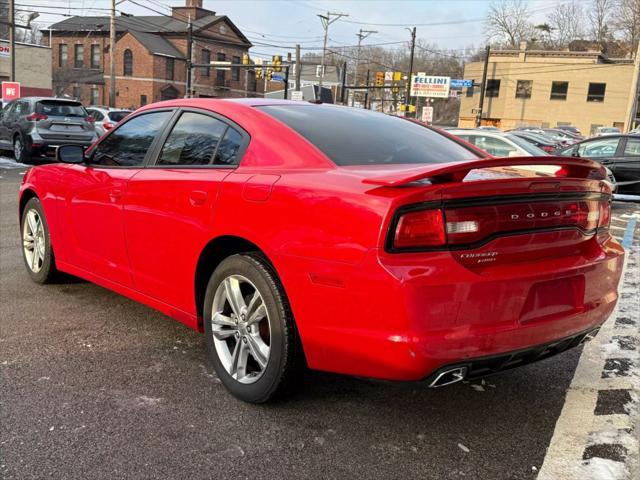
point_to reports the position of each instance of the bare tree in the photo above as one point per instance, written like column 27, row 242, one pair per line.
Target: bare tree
column 4, row 20
column 599, row 16
column 627, row 21
column 508, row 22
column 567, row 23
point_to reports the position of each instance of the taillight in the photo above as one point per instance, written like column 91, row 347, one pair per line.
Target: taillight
column 107, row 125
column 548, row 148
column 35, row 117
column 473, row 225
column 89, row 119
column 421, row 229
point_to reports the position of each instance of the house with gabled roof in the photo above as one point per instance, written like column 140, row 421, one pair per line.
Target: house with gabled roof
column 150, row 57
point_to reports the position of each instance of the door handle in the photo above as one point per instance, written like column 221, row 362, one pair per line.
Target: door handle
column 198, row 197
column 115, row 194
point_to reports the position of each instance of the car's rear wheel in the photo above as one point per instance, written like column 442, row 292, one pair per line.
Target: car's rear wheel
column 36, row 243
column 20, row 150
column 250, row 331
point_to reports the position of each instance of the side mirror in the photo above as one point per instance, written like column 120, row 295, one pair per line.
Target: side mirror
column 575, row 153
column 70, row 154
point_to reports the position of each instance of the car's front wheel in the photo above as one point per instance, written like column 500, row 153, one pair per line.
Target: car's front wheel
column 36, row 243
column 250, row 332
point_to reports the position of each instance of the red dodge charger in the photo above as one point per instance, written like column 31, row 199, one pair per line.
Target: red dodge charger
column 295, row 234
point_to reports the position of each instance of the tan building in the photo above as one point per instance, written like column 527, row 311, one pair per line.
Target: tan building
column 551, row 88
column 33, row 67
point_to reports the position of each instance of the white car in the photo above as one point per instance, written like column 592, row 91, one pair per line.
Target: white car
column 499, row 144
column 602, row 131
column 105, row 117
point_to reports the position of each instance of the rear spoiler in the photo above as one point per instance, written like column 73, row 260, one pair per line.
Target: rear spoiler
column 456, row 172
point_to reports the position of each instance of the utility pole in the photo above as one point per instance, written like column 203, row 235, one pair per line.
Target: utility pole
column 286, row 82
column 483, row 87
column 187, row 94
column 362, row 34
column 413, row 49
column 112, row 55
column 344, row 82
column 326, row 21
column 298, row 68
column 12, row 38
column 632, row 107
column 366, row 94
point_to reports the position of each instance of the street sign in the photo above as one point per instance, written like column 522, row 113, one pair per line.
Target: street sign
column 388, row 77
column 277, row 78
column 5, row 51
column 220, row 65
column 397, row 76
column 10, row 91
column 458, row 83
column 297, row 95
column 429, row 86
column 427, row 114
column 454, row 93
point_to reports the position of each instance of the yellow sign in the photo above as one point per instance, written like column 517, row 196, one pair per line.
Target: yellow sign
column 397, row 76
column 407, row 108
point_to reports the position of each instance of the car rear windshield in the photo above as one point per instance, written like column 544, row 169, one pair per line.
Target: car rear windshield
column 54, row 108
column 117, row 116
column 352, row 136
column 526, row 146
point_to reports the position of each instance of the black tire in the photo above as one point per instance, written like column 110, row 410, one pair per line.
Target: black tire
column 47, row 271
column 286, row 359
column 23, row 154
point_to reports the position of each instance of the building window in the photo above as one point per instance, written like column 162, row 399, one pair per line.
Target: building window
column 95, row 95
column 559, row 90
column 63, row 55
column 143, row 100
column 95, row 56
column 235, row 71
column 493, row 88
column 523, row 88
column 206, row 58
column 76, row 92
column 127, row 63
column 170, row 68
column 79, row 56
column 596, row 92
column 220, row 74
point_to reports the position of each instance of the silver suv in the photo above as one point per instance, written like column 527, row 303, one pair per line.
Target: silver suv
column 33, row 126
column 106, row 117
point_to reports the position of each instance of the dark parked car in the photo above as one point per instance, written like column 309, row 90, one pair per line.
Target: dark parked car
column 620, row 153
column 31, row 126
column 539, row 140
column 570, row 129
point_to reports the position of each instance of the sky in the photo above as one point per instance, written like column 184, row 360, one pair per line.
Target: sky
column 287, row 22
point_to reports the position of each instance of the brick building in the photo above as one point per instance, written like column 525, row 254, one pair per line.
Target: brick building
column 150, row 57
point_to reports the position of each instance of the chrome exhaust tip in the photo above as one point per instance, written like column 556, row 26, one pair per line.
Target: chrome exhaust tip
column 590, row 336
column 448, row 377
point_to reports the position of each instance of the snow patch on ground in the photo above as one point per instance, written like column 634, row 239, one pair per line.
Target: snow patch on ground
column 603, row 469
column 6, row 163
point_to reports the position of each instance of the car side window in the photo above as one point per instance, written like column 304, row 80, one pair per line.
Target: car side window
column 227, row 153
column 605, row 147
column 192, row 141
column 494, row 146
column 127, row 145
column 632, row 148
column 96, row 115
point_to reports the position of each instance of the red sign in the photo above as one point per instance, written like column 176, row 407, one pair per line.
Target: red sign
column 10, row 91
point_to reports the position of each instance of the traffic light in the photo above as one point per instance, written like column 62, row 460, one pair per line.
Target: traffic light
column 245, row 59
column 277, row 61
column 379, row 79
column 258, row 73
column 269, row 74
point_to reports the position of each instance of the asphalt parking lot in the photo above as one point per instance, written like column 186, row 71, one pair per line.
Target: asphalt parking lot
column 94, row 385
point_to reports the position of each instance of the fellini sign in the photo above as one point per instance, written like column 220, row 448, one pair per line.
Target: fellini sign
column 430, row 86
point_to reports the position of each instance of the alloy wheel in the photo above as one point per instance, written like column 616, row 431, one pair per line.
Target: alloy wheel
column 241, row 329
column 17, row 149
column 33, row 240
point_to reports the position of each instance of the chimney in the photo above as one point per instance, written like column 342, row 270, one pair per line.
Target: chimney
column 192, row 9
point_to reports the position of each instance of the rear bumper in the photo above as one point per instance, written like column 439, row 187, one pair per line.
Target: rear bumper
column 46, row 145
column 405, row 316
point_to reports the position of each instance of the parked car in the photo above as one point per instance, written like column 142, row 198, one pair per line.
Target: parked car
column 570, row 129
column 490, row 128
column 32, row 126
column 562, row 137
column 545, row 143
column 499, row 144
column 106, row 118
column 601, row 131
column 342, row 239
column 620, row 153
